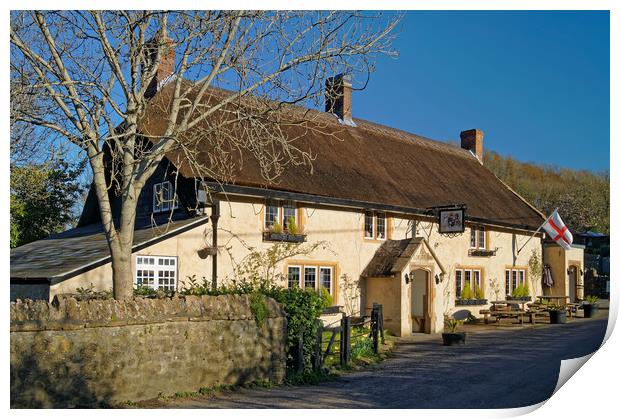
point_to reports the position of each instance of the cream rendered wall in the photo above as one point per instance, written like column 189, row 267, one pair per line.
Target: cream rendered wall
column 185, row 246
column 241, row 225
column 560, row 260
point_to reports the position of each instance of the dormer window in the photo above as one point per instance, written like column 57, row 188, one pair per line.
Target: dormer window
column 375, row 225
column 164, row 198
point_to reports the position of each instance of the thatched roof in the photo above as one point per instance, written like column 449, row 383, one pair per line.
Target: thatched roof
column 373, row 163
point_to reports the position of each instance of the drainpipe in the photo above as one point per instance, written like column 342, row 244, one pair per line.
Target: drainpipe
column 215, row 216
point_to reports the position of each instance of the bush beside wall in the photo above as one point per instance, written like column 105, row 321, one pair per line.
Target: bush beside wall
column 88, row 353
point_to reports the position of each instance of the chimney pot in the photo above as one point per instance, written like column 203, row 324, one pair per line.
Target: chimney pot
column 338, row 97
column 472, row 140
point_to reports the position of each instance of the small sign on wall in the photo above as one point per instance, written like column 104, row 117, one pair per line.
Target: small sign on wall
column 452, row 220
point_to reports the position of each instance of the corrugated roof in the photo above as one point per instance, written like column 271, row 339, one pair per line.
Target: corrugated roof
column 67, row 254
column 369, row 163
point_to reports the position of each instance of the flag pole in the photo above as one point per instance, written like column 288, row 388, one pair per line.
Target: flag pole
column 536, row 232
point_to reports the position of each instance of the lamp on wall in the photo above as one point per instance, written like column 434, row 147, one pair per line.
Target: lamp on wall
column 406, row 278
column 438, row 278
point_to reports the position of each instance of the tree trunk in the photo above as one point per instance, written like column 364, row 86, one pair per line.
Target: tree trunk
column 122, row 277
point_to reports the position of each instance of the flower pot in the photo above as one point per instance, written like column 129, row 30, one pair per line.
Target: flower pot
column 450, row 339
column 590, row 310
column 557, row 316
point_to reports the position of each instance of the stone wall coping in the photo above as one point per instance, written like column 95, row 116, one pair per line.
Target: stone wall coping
column 67, row 312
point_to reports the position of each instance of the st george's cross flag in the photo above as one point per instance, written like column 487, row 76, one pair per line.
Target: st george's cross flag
column 557, row 230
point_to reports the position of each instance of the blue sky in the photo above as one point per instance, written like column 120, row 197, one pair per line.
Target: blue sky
column 537, row 83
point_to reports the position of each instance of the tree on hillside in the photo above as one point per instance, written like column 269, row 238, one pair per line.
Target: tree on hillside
column 100, row 69
column 581, row 197
column 43, row 200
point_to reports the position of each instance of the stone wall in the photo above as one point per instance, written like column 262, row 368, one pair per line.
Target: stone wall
column 91, row 353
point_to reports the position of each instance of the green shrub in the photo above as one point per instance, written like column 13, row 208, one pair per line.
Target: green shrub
column 276, row 228
column 302, row 308
column 141, row 290
column 258, row 308
column 521, row 291
column 292, row 225
column 592, row 299
column 328, row 299
column 479, row 293
column 466, row 293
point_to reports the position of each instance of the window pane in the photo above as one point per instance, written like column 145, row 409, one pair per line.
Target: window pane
column 459, row 283
column 521, row 277
column 481, row 238
column 271, row 215
column 368, row 225
column 507, row 281
column 293, row 276
column 472, row 238
column 514, row 280
column 310, row 278
column 381, row 225
column 326, row 279
column 468, row 278
column 476, row 280
column 288, row 212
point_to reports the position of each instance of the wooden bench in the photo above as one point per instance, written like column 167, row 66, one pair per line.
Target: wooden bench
column 486, row 313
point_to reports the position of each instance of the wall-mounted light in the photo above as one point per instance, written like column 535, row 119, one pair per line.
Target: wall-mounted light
column 406, row 278
column 438, row 278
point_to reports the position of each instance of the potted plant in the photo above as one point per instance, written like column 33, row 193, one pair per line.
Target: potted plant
column 590, row 306
column 452, row 337
column 557, row 314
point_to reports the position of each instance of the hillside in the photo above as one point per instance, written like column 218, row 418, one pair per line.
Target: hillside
column 581, row 196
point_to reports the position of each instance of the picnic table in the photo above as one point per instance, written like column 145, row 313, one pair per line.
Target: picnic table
column 560, row 300
column 502, row 309
column 553, row 297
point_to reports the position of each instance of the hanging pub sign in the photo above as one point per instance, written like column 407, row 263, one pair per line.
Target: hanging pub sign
column 451, row 220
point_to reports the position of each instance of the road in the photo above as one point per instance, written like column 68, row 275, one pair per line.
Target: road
column 495, row 369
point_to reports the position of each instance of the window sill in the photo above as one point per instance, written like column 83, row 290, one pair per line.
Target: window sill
column 482, row 252
column 283, row 237
column 471, row 302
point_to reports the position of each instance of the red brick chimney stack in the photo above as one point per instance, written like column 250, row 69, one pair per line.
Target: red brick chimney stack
column 472, row 140
column 338, row 97
column 166, row 63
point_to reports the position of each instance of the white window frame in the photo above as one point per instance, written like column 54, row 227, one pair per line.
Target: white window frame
column 288, row 205
column 374, row 217
column 369, row 215
column 167, row 203
column 316, row 275
column 463, row 275
column 474, row 239
column 159, row 265
column 384, row 217
column 331, row 278
column 517, row 276
column 275, row 205
column 280, row 205
column 317, row 269
column 300, row 271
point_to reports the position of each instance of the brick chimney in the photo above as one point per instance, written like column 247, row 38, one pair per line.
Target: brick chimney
column 472, row 140
column 165, row 70
column 338, row 92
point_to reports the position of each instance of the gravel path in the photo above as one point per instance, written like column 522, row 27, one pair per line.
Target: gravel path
column 495, row 369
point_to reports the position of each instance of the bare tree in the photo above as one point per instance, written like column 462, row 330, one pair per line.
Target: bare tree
column 108, row 72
